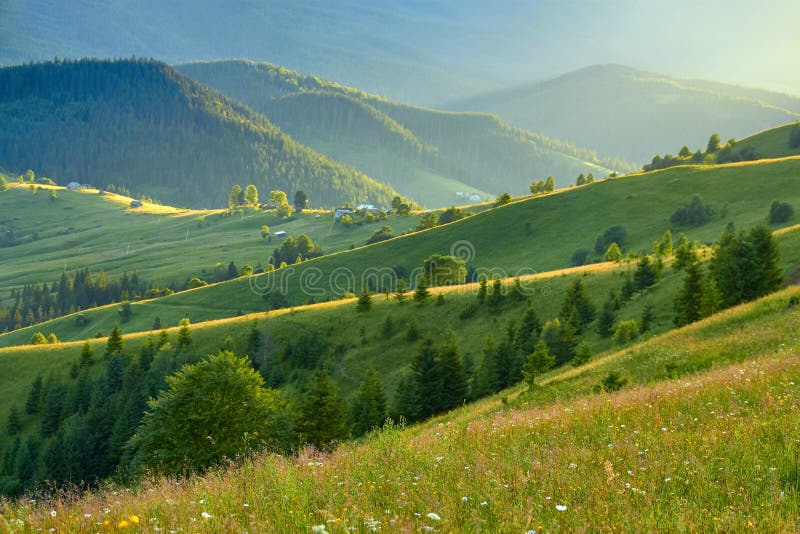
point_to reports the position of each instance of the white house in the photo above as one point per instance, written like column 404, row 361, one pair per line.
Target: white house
column 280, row 234
column 341, row 212
column 74, row 186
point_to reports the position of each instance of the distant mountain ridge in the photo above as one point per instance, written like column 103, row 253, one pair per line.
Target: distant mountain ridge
column 142, row 125
column 634, row 114
column 421, row 152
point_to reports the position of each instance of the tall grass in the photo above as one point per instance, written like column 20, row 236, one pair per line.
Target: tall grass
column 710, row 451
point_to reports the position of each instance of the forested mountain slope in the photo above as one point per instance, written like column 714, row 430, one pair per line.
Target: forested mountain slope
column 142, row 125
column 423, row 153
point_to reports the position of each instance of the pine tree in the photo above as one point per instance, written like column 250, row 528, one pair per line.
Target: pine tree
column 454, row 381
column 369, row 408
column 537, row 362
column 560, row 338
column 86, row 355
column 364, row 303
column 163, row 339
column 184, row 334
column 14, row 423
column 606, row 320
column 157, row 323
column 114, row 344
column 322, row 420
column 405, row 402
column 766, row 249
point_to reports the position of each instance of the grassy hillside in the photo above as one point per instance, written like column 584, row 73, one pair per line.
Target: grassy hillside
column 82, row 229
column 424, row 154
column 142, row 125
column 713, row 449
column 634, row 114
column 772, row 143
column 532, row 235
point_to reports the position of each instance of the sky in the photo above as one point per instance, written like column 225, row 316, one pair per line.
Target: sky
column 426, row 50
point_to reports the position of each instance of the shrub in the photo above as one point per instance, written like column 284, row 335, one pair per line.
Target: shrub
column 780, row 212
column 215, row 409
column 626, row 331
column 580, row 257
column 615, row 234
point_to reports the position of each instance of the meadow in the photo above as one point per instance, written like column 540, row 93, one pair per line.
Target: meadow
column 714, row 450
column 526, row 236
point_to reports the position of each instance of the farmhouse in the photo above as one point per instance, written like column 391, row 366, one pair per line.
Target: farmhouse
column 280, row 234
column 136, row 203
column 74, row 186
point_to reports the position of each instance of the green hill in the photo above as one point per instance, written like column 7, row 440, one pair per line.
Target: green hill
column 425, row 154
column 621, row 111
column 702, row 438
column 143, row 126
column 40, row 238
column 773, row 143
column 533, row 235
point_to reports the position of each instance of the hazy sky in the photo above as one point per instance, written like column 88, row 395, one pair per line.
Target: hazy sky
column 426, row 49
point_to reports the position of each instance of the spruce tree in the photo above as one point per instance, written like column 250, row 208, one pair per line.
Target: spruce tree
column 114, row 344
column 34, row 401
column 645, row 275
column 369, row 408
column 364, row 303
column 711, row 302
column 770, row 276
column 454, row 381
column 157, row 323
column 648, row 316
column 613, row 253
column 421, row 294
column 400, row 293
column 86, row 355
column 577, row 306
column 254, row 341
column 583, row 353
column 14, row 423
column 184, row 334
column 606, row 320
column 52, row 410
column 687, row 303
column 528, row 333
column 537, row 362
column 427, row 375
column 496, row 297
column 482, row 289
column 323, row 420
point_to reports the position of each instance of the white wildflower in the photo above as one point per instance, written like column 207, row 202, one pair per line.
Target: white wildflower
column 561, row 507
column 434, row 516
column 206, row 515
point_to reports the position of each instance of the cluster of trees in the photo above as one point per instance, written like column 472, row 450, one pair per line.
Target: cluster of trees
column 539, row 187
column 696, row 213
column 744, row 267
column 361, row 217
column 36, row 303
column 715, row 152
column 430, row 219
column 294, row 251
column 583, row 180
column 166, row 131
